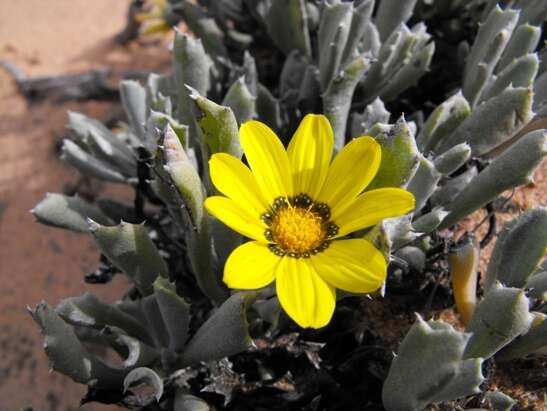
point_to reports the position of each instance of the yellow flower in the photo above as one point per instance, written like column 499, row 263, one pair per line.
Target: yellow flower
column 155, row 20
column 297, row 206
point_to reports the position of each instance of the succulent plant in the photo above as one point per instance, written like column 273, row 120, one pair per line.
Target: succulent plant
column 277, row 61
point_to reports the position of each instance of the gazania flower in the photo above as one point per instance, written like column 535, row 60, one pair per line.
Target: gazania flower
column 298, row 208
column 155, row 20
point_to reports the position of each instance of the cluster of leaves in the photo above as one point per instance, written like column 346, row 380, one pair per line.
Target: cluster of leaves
column 276, row 61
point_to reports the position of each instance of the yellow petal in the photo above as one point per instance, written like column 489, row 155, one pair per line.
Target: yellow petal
column 250, row 266
column 353, row 265
column 310, row 151
column 267, row 158
column 236, row 217
column 233, row 179
column 303, row 294
column 372, row 207
column 158, row 26
column 350, row 172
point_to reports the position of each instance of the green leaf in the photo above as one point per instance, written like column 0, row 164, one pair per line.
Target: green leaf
column 174, row 311
column 512, row 168
column 225, row 333
column 129, row 248
column 218, row 125
column 399, row 156
column 287, row 24
column 424, row 182
column 66, row 212
column 519, row 249
column 241, row 101
column 433, row 351
column 498, row 319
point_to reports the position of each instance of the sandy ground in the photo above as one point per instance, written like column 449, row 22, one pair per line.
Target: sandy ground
column 36, row 262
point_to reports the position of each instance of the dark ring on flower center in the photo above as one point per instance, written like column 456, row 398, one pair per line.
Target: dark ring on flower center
column 317, row 211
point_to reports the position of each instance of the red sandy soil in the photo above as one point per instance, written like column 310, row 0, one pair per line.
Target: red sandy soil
column 37, row 262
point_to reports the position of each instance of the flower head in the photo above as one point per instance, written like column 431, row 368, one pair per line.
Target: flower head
column 297, row 207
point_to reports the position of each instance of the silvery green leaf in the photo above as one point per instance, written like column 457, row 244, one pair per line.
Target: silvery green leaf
column 225, row 333
column 432, row 350
column 70, row 213
column 249, row 73
column 399, row 155
column 498, row 319
column 68, row 356
column 524, row 40
column 192, row 67
column 499, row 401
column 359, row 25
column 398, row 231
column 493, row 122
column 540, row 90
column 520, row 72
column 143, row 375
column 535, row 339
column 241, row 101
column 104, row 143
column 287, row 25
column 537, row 285
column 204, row 27
column 452, row 159
column 519, row 250
column 155, row 322
column 445, row 194
column 174, row 311
column 424, row 182
column 338, row 96
column 88, row 165
column 379, row 236
column 533, row 12
column 371, row 42
column 156, row 123
column 430, row 221
column 333, row 33
column 218, row 125
column 159, row 92
column 129, row 248
column 409, row 74
column 133, row 97
column 292, row 75
column 443, row 121
column 183, row 173
column 491, row 39
column 267, row 108
column 512, row 168
column 373, row 113
column 392, row 13
column 135, row 352
column 88, row 311
column 414, row 257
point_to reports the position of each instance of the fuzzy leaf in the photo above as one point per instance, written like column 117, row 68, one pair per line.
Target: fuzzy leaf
column 430, row 221
column 133, row 97
column 453, row 159
column 391, row 14
column 374, row 113
column 520, row 248
column 443, row 121
column 535, row 339
column 287, row 25
column 424, row 182
column 512, row 168
column 445, row 194
column 88, row 311
column 432, row 350
column 337, row 98
column 218, row 125
column 399, row 156
column 129, row 248
column 224, row 333
column 68, row 356
column 537, row 285
column 498, row 319
column 143, row 375
column 524, row 40
column 66, row 212
column 241, row 101
column 520, row 72
column 174, row 311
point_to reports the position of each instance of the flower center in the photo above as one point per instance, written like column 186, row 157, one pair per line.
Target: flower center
column 298, row 227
